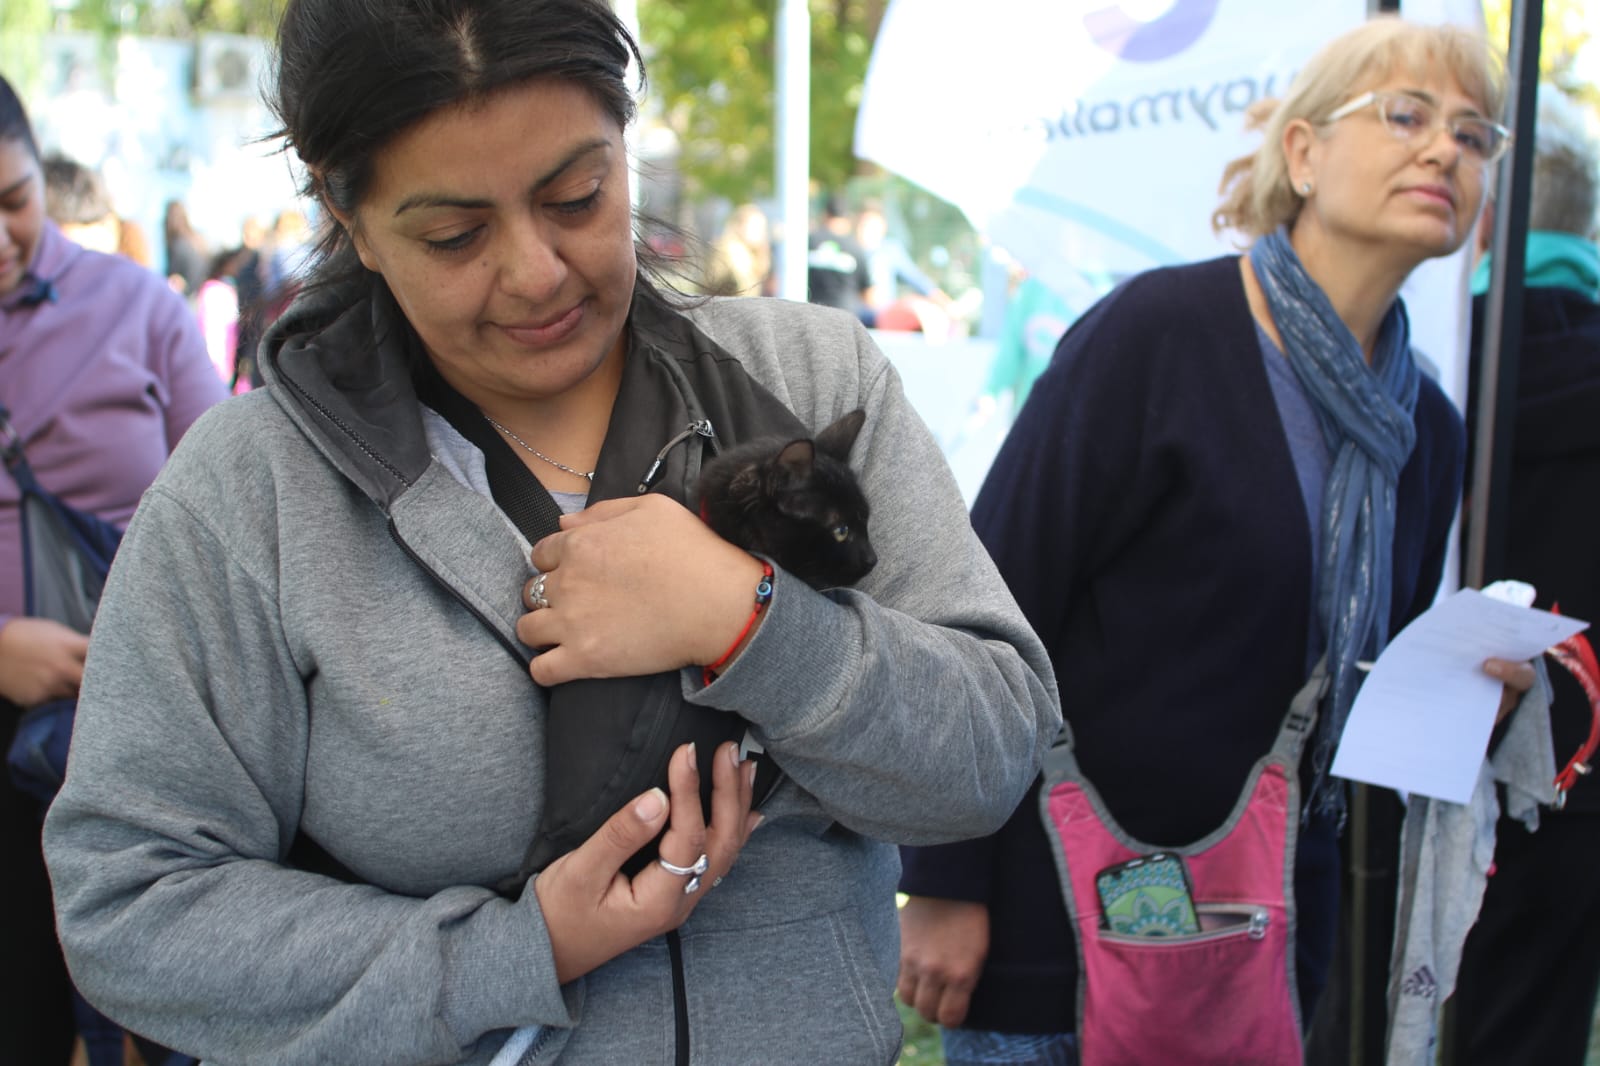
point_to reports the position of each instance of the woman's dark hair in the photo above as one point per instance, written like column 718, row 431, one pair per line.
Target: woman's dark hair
column 354, row 74
column 14, row 124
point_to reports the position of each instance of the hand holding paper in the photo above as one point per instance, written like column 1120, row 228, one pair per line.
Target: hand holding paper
column 1422, row 720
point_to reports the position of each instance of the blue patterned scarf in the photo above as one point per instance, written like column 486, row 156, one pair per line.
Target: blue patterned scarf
column 1366, row 417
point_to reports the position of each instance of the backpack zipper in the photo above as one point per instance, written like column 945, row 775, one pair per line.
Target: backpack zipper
column 699, row 427
column 1253, row 924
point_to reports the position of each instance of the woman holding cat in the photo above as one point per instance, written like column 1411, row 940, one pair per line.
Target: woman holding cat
column 1230, row 469
column 309, row 743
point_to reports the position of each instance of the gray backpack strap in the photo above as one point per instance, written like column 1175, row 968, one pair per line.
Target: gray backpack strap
column 1060, row 764
column 1302, row 716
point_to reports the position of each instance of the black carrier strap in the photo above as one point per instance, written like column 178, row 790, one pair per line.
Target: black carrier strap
column 520, row 494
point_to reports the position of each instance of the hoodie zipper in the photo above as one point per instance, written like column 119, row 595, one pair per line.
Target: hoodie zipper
column 699, row 427
column 488, row 623
column 359, row 441
column 680, row 998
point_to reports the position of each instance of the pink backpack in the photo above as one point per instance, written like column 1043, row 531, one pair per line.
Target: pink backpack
column 1223, row 995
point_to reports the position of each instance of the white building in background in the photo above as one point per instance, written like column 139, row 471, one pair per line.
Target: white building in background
column 165, row 119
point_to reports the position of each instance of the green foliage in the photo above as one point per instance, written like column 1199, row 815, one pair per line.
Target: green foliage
column 21, row 23
column 155, row 18
column 712, row 68
column 1566, row 32
column 921, row 1046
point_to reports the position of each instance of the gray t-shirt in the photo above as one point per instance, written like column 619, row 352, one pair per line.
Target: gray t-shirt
column 465, row 463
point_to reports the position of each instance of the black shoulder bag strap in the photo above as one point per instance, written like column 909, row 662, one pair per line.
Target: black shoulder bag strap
column 520, row 494
column 11, row 450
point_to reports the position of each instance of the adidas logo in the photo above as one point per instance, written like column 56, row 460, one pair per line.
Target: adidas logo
column 1421, row 983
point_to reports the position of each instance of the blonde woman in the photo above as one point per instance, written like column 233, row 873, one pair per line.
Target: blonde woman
column 1230, row 469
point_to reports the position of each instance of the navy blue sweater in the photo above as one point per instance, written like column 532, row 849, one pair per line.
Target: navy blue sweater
column 1145, row 511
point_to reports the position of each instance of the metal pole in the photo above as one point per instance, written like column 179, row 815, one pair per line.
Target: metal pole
column 1488, row 500
column 794, row 145
column 1502, row 340
column 1360, row 875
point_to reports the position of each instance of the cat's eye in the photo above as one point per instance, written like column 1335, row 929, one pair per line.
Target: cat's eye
column 841, row 533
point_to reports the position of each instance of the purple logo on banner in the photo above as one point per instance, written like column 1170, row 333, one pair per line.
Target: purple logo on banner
column 1148, row 42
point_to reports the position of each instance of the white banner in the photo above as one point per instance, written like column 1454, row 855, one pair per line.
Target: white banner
column 1088, row 139
column 1081, row 136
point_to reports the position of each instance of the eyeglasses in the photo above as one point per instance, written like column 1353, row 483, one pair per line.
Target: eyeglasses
column 1414, row 120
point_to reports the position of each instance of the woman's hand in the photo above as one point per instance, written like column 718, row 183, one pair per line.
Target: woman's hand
column 1517, row 679
column 40, row 660
column 636, row 586
column 943, row 943
column 594, row 913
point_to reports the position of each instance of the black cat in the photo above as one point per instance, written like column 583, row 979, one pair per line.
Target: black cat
column 796, row 502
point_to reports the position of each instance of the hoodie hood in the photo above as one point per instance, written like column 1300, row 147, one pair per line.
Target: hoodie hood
column 340, row 363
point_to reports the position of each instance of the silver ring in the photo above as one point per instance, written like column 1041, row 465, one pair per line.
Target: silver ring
column 700, row 866
column 691, row 886
column 715, row 881
column 533, row 593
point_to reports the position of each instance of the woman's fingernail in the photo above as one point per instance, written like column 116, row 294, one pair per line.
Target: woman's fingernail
column 733, row 755
column 649, row 806
column 750, row 773
column 756, row 820
column 689, row 756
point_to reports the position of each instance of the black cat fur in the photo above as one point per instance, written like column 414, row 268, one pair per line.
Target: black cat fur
column 796, row 502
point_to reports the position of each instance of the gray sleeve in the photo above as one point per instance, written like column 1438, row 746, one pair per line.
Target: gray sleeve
column 187, row 770
column 916, row 707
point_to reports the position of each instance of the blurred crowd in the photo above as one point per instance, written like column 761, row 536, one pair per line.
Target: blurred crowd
column 858, row 260
column 235, row 283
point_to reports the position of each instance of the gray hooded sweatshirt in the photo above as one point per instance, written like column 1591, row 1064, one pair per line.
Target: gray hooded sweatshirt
column 310, row 630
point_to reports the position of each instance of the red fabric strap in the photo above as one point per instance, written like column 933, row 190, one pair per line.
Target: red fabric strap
column 1576, row 654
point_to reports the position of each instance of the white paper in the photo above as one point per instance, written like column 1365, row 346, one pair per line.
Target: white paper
column 1422, row 720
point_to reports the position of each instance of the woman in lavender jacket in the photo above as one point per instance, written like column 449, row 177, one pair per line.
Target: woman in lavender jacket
column 103, row 369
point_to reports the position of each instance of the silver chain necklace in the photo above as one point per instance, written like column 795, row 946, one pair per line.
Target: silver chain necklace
column 560, row 466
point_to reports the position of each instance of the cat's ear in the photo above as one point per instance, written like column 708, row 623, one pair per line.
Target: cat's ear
column 794, row 462
column 746, row 482
column 838, row 438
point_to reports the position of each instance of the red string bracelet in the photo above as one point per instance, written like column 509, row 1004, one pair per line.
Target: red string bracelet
column 763, row 597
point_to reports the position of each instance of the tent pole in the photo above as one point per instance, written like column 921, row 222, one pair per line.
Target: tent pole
column 1502, row 340
column 794, row 145
column 1488, row 498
